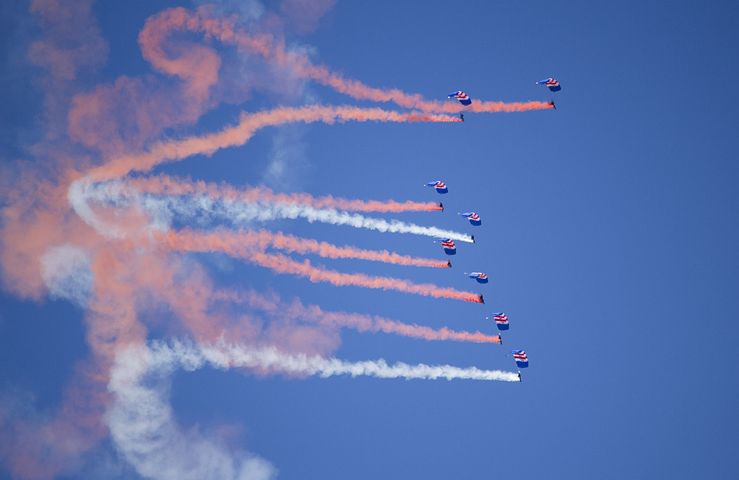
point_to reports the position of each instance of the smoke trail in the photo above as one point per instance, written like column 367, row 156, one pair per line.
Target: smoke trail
column 360, row 91
column 162, row 184
column 243, row 243
column 296, row 311
column 169, row 356
column 158, row 27
column 283, row 264
column 204, row 208
column 239, row 134
column 335, row 217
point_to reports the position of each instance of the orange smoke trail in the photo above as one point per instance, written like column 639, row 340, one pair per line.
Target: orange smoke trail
column 157, row 28
column 242, row 244
column 165, row 185
column 360, row 91
column 283, row 264
column 295, row 310
column 427, row 333
column 240, row 133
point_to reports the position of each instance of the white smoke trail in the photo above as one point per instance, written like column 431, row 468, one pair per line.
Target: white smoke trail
column 176, row 354
column 203, row 209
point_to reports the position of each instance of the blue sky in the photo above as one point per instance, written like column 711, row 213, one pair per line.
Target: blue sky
column 609, row 232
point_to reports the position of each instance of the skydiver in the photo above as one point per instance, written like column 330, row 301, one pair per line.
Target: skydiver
column 473, row 238
column 449, row 264
column 441, row 205
column 461, row 116
column 500, row 339
column 482, row 300
column 551, row 102
column 519, row 376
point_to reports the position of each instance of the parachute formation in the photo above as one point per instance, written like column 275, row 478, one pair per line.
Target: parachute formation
column 500, row 319
column 146, row 231
column 122, row 182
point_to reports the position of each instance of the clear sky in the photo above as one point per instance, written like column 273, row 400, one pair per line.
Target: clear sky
column 610, row 233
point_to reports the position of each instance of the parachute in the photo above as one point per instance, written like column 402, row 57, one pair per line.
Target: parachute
column 479, row 276
column 501, row 321
column 438, row 185
column 463, row 98
column 551, row 83
column 473, row 217
column 450, row 248
column 522, row 360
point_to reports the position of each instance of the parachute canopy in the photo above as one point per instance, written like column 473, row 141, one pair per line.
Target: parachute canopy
column 501, row 321
column 522, row 360
column 463, row 98
column 479, row 276
column 450, row 248
column 438, row 185
column 473, row 217
column 551, row 83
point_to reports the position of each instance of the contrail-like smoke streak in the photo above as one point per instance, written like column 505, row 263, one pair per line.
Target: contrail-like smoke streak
column 243, row 243
column 283, row 264
column 165, row 185
column 239, row 134
column 203, row 208
column 172, row 355
column 159, row 27
column 296, row 311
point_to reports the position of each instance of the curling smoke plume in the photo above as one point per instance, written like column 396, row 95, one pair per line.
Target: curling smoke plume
column 160, row 26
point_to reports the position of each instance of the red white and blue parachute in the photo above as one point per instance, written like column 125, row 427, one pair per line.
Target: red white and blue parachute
column 450, row 248
column 479, row 276
column 473, row 217
column 522, row 360
column 463, row 98
column 551, row 83
column 501, row 321
column 438, row 185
